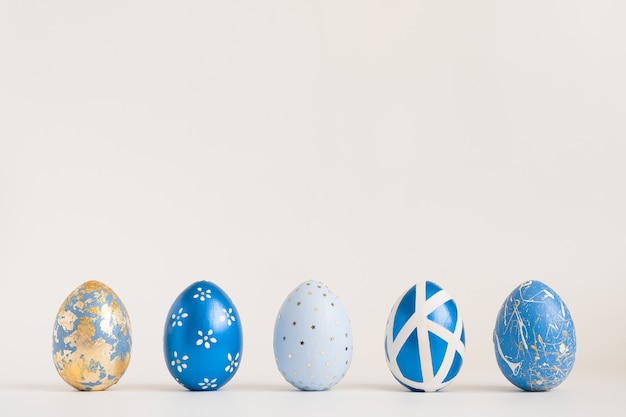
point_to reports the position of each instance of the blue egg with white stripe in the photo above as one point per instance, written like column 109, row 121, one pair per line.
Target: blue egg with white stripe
column 534, row 338
column 203, row 338
column 425, row 338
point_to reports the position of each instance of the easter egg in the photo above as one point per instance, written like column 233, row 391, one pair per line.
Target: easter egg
column 91, row 339
column 203, row 339
column 312, row 338
column 424, row 338
column 534, row 338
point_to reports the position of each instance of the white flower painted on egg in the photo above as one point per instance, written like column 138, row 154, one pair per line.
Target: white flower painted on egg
column 177, row 318
column 228, row 316
column 233, row 363
column 202, row 294
column 208, row 383
column 179, row 363
column 206, row 339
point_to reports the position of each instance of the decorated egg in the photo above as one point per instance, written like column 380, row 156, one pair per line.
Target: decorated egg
column 534, row 338
column 312, row 338
column 203, row 339
column 424, row 338
column 91, row 339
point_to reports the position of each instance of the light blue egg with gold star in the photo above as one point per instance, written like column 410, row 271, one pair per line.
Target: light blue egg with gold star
column 313, row 338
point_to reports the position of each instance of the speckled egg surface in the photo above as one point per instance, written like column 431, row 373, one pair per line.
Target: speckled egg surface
column 312, row 338
column 91, row 340
column 203, row 338
column 425, row 338
column 534, row 338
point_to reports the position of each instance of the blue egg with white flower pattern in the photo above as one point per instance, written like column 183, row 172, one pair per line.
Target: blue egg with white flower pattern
column 203, row 338
column 534, row 338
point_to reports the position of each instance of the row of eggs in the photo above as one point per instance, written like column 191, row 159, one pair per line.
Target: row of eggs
column 534, row 338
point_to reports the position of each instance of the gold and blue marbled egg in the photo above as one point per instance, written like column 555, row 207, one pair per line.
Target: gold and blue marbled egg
column 92, row 338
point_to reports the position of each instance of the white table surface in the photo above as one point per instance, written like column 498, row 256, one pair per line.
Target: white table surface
column 575, row 397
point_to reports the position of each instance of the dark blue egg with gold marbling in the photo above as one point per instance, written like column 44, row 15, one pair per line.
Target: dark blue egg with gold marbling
column 203, row 338
column 534, row 338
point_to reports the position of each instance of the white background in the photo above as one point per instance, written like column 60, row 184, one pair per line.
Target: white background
column 258, row 144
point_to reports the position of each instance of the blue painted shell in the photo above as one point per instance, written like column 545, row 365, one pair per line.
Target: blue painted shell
column 312, row 338
column 534, row 338
column 203, row 338
column 425, row 338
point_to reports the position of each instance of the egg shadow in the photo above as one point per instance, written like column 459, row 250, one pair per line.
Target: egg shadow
column 373, row 387
column 451, row 389
column 472, row 388
column 263, row 387
column 150, row 387
column 38, row 387
column 175, row 388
